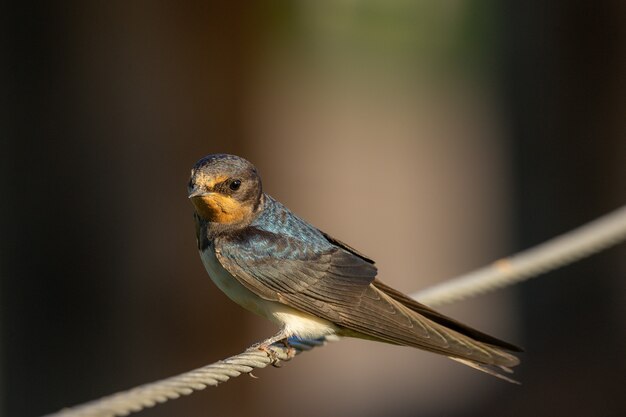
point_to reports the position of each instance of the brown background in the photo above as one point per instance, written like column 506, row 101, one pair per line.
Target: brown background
column 435, row 137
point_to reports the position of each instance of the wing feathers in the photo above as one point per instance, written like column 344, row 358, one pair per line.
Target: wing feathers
column 339, row 285
column 443, row 320
column 403, row 326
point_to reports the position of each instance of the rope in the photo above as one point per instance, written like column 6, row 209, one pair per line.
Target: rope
column 562, row 250
column 149, row 395
column 593, row 237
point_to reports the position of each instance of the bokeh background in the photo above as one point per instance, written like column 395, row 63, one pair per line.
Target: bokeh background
column 434, row 136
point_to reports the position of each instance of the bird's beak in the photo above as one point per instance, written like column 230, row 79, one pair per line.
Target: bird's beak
column 206, row 204
column 197, row 192
column 202, row 202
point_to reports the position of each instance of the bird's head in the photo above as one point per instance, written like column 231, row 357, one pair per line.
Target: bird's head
column 225, row 189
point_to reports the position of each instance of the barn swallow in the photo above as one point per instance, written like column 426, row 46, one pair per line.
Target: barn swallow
column 277, row 265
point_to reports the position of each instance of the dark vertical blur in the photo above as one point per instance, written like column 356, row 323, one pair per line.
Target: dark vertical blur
column 108, row 104
column 565, row 85
column 421, row 133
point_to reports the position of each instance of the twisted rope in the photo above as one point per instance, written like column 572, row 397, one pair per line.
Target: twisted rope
column 593, row 237
column 562, row 250
column 149, row 395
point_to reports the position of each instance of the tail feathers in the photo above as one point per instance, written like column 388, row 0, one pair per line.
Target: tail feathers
column 444, row 320
column 493, row 370
column 463, row 343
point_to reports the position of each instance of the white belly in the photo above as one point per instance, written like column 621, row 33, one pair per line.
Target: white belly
column 292, row 321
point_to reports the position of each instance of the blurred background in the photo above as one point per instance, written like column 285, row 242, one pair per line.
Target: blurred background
column 434, row 136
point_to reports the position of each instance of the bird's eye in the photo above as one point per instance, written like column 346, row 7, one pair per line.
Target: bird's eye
column 235, row 185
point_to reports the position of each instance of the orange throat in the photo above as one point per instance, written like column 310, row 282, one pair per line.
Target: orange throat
column 219, row 208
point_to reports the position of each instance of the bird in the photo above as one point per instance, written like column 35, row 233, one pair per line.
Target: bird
column 312, row 285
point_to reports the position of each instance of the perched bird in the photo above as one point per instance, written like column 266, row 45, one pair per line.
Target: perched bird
column 312, row 285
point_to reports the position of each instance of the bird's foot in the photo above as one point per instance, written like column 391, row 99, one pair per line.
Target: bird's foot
column 290, row 350
column 266, row 346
